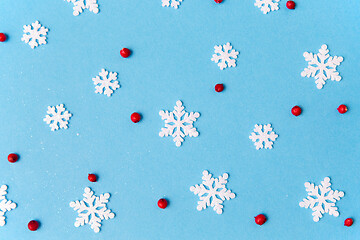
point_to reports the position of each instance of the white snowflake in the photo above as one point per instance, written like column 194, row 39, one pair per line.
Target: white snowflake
column 261, row 137
column 5, row 205
column 212, row 192
column 79, row 6
column 106, row 82
column 267, row 5
column 57, row 117
column 323, row 201
column 92, row 209
column 322, row 67
column 179, row 123
column 34, row 34
column 174, row 3
column 226, row 58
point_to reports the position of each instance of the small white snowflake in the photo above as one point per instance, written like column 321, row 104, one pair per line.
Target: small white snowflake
column 79, row 6
column 5, row 205
column 34, row 34
column 321, row 66
column 261, row 137
column 226, row 58
column 323, row 201
column 179, row 123
column 212, row 192
column 174, row 3
column 57, row 117
column 106, row 82
column 267, row 5
column 92, row 210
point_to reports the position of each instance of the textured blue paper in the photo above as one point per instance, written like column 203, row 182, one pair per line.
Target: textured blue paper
column 171, row 61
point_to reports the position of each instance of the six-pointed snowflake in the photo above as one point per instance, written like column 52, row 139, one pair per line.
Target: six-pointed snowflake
column 92, row 209
column 57, row 117
column 225, row 56
column 212, row 192
column 262, row 137
column 174, row 3
column 34, row 34
column 79, row 6
column 178, row 123
column 322, row 67
column 321, row 199
column 106, row 82
column 5, row 205
column 267, row 5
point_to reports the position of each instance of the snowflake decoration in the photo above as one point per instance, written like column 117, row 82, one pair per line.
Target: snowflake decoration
column 323, row 202
column 92, row 210
column 79, row 6
column 179, row 123
column 106, row 82
column 212, row 192
column 267, row 5
column 226, row 58
column 57, row 117
column 321, row 66
column 174, row 3
column 5, row 205
column 34, row 34
column 260, row 137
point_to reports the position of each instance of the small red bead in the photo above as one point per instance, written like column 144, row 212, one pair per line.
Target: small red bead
column 3, row 37
column 92, row 177
column 296, row 111
column 348, row 222
column 219, row 87
column 135, row 117
column 260, row 219
column 162, row 203
column 342, row 109
column 290, row 4
column 218, row 1
column 125, row 52
column 13, row 157
column 33, row 225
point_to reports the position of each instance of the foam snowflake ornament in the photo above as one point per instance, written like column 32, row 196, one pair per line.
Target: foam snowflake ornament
column 322, row 67
column 321, row 199
column 225, row 56
column 171, row 3
column 263, row 136
column 267, row 6
column 212, row 192
column 80, row 5
column 92, row 209
column 5, row 205
column 34, row 34
column 179, row 123
column 106, row 82
column 57, row 117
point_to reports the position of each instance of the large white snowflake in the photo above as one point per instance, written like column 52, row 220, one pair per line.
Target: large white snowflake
column 179, row 123
column 174, row 3
column 262, row 137
column 79, row 6
column 322, row 67
column 5, row 205
column 57, row 117
column 212, row 192
column 106, row 82
column 92, row 209
column 225, row 56
column 267, row 5
column 34, row 34
column 321, row 199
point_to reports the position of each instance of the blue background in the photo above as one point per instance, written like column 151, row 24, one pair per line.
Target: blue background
column 170, row 62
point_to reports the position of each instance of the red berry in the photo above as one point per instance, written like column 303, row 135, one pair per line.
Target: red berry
column 219, row 87
column 162, row 203
column 260, row 219
column 125, row 52
column 13, row 157
column 290, row 4
column 218, row 1
column 33, row 225
column 348, row 222
column 296, row 111
column 342, row 109
column 3, row 37
column 135, row 117
column 92, row 177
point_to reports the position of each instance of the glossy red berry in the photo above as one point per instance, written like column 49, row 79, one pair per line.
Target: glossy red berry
column 125, row 52
column 290, row 4
column 296, row 111
column 260, row 219
column 162, row 203
column 33, row 225
column 342, row 109
column 135, row 117
column 92, row 177
column 13, row 157
column 219, row 87
column 348, row 222
column 218, row 1
column 3, row 37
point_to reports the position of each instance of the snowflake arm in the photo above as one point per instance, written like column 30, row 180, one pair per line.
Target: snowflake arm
column 174, row 3
column 263, row 138
column 224, row 56
column 106, row 82
column 80, row 5
column 5, row 205
column 34, row 34
column 267, row 6
column 57, row 117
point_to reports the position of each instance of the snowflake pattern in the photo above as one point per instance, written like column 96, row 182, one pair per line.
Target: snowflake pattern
column 323, row 202
column 79, row 6
column 179, row 123
column 262, row 137
column 5, row 205
column 174, row 3
column 34, row 34
column 267, row 5
column 225, row 56
column 106, row 82
column 322, row 67
column 212, row 192
column 92, row 209
column 57, row 117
